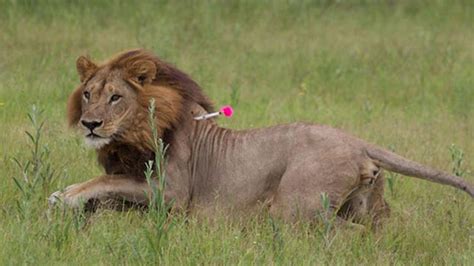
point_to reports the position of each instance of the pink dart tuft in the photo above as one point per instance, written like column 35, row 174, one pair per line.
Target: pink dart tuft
column 227, row 110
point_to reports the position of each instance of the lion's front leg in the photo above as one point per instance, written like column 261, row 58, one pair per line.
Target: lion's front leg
column 107, row 188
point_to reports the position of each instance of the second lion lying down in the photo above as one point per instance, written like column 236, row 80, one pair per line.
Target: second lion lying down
column 286, row 167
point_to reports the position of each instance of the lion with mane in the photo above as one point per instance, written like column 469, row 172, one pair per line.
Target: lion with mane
column 286, row 167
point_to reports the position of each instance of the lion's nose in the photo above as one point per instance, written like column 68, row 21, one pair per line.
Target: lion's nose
column 91, row 125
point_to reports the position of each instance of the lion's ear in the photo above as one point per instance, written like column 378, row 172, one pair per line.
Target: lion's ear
column 85, row 67
column 142, row 71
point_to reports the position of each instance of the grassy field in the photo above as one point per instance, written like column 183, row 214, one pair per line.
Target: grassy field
column 396, row 73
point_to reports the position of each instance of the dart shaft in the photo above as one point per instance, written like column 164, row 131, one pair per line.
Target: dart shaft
column 206, row 116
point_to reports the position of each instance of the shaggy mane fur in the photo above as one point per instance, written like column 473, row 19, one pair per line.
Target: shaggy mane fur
column 166, row 75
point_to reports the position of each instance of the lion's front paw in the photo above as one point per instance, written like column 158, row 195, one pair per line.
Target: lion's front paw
column 54, row 199
column 70, row 197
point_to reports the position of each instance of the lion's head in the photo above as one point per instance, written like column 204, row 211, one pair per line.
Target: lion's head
column 111, row 103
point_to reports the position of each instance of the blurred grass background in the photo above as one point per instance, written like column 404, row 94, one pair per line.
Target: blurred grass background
column 396, row 73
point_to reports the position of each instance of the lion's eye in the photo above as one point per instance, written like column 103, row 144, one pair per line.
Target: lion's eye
column 87, row 95
column 115, row 98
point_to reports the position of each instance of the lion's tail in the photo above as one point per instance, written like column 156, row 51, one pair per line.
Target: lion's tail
column 396, row 163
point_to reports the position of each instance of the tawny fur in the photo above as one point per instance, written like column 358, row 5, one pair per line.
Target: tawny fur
column 285, row 167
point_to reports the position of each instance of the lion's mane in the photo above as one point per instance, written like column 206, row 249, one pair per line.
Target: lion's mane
column 153, row 78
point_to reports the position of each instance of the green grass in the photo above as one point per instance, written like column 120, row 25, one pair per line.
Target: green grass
column 396, row 73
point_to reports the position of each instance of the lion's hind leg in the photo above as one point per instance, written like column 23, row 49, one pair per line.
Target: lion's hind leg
column 301, row 192
column 366, row 204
